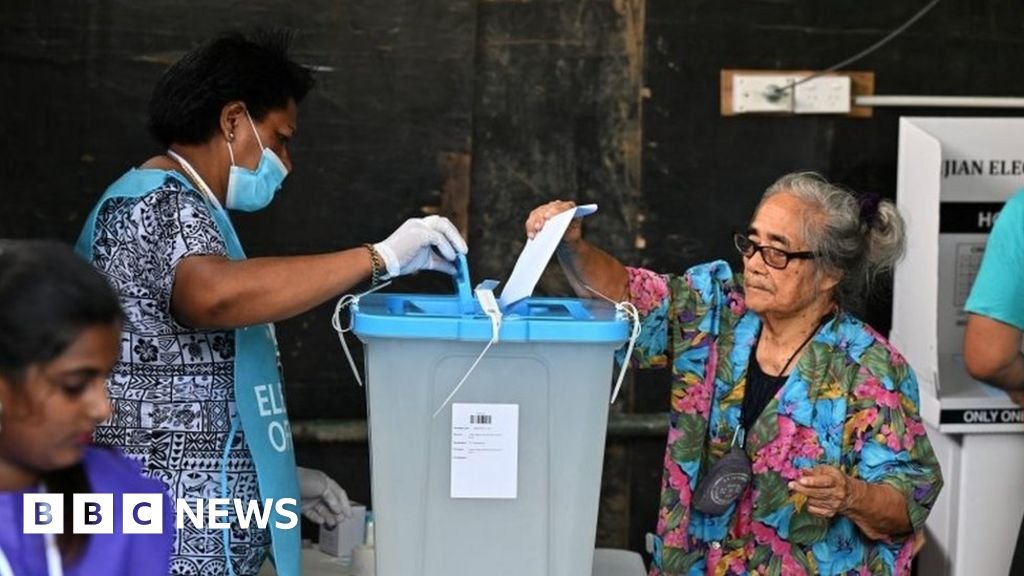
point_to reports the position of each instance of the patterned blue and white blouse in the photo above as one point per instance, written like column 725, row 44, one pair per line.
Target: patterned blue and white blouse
column 172, row 389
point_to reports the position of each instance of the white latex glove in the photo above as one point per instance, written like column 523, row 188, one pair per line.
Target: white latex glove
column 414, row 246
column 323, row 501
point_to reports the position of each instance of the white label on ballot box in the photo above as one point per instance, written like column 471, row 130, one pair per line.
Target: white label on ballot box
column 485, row 450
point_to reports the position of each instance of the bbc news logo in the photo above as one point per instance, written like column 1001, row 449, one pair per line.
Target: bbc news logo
column 144, row 513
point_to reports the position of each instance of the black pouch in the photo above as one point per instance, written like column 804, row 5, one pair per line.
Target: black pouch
column 724, row 483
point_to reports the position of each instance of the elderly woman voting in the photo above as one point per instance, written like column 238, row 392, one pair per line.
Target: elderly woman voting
column 795, row 444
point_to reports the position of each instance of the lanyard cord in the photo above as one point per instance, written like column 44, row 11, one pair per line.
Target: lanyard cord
column 195, row 177
column 803, row 344
column 740, row 434
column 53, row 562
column 824, row 320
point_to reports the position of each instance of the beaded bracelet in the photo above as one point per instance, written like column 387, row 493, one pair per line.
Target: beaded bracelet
column 376, row 265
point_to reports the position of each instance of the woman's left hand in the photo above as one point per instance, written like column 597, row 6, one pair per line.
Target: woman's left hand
column 323, row 501
column 828, row 489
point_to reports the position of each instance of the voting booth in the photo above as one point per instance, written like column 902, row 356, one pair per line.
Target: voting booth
column 954, row 176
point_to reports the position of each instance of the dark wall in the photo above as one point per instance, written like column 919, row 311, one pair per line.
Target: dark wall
column 482, row 109
column 557, row 115
column 380, row 140
column 394, row 96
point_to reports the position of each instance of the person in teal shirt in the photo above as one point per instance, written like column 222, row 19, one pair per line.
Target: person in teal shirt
column 995, row 320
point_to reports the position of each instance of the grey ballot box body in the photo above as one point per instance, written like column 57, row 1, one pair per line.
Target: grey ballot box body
column 562, row 390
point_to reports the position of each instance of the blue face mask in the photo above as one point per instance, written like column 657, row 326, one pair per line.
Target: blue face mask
column 252, row 190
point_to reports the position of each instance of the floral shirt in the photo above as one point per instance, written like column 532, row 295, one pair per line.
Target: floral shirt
column 851, row 402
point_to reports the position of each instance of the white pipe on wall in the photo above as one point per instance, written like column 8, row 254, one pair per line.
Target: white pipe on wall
column 939, row 101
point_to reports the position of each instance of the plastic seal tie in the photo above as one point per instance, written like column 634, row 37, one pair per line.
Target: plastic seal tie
column 485, row 295
column 627, row 308
column 344, row 302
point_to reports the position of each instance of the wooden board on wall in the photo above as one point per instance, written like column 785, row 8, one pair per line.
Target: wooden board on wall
column 862, row 83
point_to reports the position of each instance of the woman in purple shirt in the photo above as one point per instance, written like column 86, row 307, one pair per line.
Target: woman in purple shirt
column 60, row 333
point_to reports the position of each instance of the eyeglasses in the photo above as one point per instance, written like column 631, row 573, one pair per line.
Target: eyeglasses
column 773, row 257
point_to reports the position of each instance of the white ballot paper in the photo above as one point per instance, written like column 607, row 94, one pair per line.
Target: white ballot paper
column 536, row 254
column 485, row 451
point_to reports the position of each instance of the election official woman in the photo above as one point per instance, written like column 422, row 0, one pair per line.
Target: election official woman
column 197, row 393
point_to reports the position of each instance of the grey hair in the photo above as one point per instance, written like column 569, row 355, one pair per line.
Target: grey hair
column 857, row 239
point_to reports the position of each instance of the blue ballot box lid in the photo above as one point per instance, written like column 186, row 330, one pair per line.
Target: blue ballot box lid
column 460, row 317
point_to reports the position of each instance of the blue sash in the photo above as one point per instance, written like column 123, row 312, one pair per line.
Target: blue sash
column 258, row 392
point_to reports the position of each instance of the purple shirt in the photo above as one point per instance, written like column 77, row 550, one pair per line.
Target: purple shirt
column 114, row 554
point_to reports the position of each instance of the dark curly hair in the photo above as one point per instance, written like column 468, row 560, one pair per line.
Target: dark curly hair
column 187, row 100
